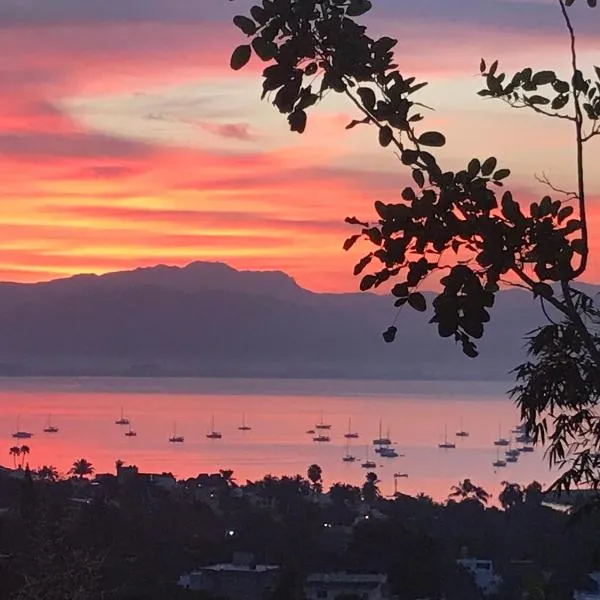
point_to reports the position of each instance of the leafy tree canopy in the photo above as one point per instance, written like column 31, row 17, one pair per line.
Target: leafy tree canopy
column 461, row 227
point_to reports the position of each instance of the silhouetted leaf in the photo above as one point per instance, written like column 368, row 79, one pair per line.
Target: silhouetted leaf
column 367, row 96
column 564, row 213
column 311, row 69
column 360, row 266
column 417, row 301
column 473, row 167
column 418, row 177
column 354, row 123
column 265, row 50
column 537, row 99
column 259, row 14
column 579, row 83
column 389, row 335
column 367, row 282
column 501, row 174
column 386, row 135
column 559, row 102
column 482, row 66
column 408, row 194
column 355, row 221
column 572, row 226
column 488, row 166
column 240, row 57
column 351, row 241
column 543, row 77
column 297, row 121
column 400, row 290
column 409, row 157
column 357, row 8
column 432, row 138
column 384, row 44
column 470, row 350
column 245, row 24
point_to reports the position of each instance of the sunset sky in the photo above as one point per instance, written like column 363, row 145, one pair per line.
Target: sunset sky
column 126, row 141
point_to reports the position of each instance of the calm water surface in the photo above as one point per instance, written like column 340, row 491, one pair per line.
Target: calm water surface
column 417, row 414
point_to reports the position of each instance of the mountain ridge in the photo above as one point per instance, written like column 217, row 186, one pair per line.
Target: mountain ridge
column 208, row 319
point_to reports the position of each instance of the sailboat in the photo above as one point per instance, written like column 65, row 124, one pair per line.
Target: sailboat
column 321, row 438
column 351, row 434
column 381, row 441
column 212, row 434
column 321, row 424
column 176, row 439
column 388, row 452
column 511, row 453
column 21, row 435
column 348, row 457
column 49, row 428
column 368, row 464
column 130, row 432
column 499, row 462
column 461, row 432
column 243, row 426
column 446, row 444
column 122, row 420
column 501, row 441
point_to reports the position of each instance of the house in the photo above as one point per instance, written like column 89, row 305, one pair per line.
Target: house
column 127, row 473
column 483, row 573
column 328, row 586
column 242, row 579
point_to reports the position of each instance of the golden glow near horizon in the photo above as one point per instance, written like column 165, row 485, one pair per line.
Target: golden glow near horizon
column 132, row 146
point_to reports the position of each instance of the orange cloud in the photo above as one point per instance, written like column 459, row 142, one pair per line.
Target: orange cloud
column 81, row 198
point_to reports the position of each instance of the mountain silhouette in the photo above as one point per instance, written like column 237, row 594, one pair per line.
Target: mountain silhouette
column 208, row 319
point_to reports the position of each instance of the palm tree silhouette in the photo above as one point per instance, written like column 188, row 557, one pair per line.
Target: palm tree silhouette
column 81, row 468
column 511, row 495
column 227, row 475
column 467, row 490
column 24, row 451
column 15, row 451
column 370, row 489
column 47, row 473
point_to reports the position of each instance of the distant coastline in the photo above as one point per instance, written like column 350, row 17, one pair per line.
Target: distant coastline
column 18, row 372
column 209, row 320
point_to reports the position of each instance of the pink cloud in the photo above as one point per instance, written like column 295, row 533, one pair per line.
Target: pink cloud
column 235, row 131
column 85, row 200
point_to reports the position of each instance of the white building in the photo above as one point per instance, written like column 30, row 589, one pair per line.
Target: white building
column 328, row 586
column 593, row 595
column 483, row 573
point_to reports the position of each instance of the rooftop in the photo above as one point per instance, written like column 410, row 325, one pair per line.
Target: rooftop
column 238, row 568
column 343, row 577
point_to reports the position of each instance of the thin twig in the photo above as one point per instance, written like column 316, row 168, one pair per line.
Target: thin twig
column 539, row 110
column 545, row 311
column 595, row 131
column 544, row 179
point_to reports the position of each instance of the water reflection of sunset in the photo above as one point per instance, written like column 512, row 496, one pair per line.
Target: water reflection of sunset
column 279, row 412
